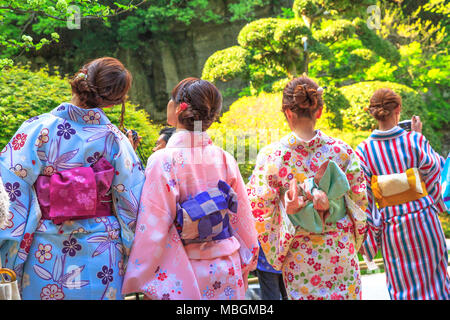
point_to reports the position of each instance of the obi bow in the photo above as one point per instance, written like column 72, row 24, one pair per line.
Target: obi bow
column 324, row 198
column 77, row 193
column 205, row 217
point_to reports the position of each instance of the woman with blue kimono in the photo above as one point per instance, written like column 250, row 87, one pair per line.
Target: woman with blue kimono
column 74, row 184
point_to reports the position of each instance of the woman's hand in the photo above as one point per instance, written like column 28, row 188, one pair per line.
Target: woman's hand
column 416, row 124
column 293, row 202
column 136, row 143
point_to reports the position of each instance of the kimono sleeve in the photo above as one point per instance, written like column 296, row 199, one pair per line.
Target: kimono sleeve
column 356, row 198
column 446, row 184
column 275, row 231
column 157, row 251
column 372, row 240
column 126, row 191
column 430, row 167
column 19, row 168
column 243, row 224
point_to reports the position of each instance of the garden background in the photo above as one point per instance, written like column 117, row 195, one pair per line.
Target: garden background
column 249, row 49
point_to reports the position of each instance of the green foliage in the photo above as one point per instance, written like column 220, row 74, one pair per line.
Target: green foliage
column 226, row 64
column 316, row 9
column 444, row 218
column 29, row 25
column 25, row 94
column 371, row 40
column 339, row 51
column 32, row 24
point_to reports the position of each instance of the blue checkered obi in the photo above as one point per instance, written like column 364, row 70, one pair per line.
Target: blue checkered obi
column 205, row 217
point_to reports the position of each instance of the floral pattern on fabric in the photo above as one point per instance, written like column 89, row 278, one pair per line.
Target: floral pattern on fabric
column 62, row 261
column 308, row 260
column 161, row 266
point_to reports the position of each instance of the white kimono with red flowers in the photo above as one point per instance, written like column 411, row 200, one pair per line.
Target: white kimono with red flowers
column 314, row 265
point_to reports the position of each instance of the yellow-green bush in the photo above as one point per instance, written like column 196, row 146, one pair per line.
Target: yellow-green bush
column 25, row 94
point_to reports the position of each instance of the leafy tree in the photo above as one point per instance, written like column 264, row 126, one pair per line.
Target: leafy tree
column 32, row 24
column 323, row 39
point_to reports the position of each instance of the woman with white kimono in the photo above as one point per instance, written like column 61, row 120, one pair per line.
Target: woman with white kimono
column 307, row 194
column 74, row 184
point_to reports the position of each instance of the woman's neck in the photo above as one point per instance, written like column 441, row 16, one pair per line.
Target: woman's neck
column 304, row 129
column 387, row 124
column 76, row 102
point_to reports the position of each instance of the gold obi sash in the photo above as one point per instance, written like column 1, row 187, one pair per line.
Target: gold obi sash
column 398, row 188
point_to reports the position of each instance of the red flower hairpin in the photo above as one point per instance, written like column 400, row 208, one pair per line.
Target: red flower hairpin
column 183, row 106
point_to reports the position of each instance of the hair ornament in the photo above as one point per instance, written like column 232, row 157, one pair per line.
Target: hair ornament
column 82, row 75
column 183, row 106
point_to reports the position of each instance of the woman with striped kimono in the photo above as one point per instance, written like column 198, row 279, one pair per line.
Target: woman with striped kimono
column 404, row 192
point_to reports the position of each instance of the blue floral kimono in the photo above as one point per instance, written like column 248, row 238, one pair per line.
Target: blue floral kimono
column 82, row 258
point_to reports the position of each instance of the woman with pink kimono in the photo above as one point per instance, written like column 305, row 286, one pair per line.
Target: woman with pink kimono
column 195, row 234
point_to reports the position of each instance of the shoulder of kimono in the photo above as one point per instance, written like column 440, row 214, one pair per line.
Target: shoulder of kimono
column 272, row 148
column 160, row 156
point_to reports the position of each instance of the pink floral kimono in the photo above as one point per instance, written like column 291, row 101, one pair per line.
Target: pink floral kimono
column 315, row 265
column 162, row 265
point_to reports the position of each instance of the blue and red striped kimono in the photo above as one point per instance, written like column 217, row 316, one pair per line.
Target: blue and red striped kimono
column 410, row 235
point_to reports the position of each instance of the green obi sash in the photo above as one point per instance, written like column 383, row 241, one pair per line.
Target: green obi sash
column 335, row 184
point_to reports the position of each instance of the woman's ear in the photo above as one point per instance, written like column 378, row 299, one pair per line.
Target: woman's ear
column 319, row 113
column 289, row 114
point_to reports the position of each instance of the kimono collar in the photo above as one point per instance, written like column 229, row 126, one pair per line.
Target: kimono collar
column 188, row 139
column 388, row 134
column 71, row 112
column 293, row 141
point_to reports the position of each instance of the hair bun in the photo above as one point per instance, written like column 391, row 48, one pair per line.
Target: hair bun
column 305, row 98
column 383, row 102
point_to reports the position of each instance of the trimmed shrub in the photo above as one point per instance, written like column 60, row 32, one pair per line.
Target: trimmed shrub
column 25, row 94
column 227, row 64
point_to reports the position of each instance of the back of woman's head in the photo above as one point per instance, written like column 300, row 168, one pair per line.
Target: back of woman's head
column 383, row 102
column 101, row 82
column 203, row 99
column 303, row 97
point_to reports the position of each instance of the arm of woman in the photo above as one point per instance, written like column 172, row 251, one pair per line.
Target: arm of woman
column 430, row 168
column 20, row 166
column 357, row 197
column 158, row 259
column 243, row 223
column 275, row 230
column 126, row 190
column 371, row 241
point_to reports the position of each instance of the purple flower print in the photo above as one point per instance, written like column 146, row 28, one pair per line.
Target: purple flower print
column 95, row 157
column 71, row 246
column 32, row 119
column 167, row 166
column 65, row 130
column 229, row 292
column 165, row 296
column 105, row 275
column 13, row 190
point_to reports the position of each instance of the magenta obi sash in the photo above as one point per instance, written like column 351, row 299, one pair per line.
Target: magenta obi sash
column 77, row 193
